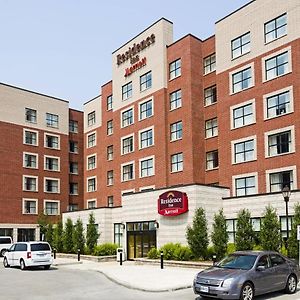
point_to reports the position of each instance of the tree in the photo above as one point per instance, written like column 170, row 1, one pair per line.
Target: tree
column 49, row 234
column 68, row 236
column 270, row 236
column 58, row 237
column 219, row 235
column 78, row 236
column 197, row 236
column 244, row 231
column 293, row 243
column 92, row 234
column 43, row 221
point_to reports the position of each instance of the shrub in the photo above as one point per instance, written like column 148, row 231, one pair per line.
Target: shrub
column 58, row 237
column 169, row 250
column 283, row 250
column 230, row 248
column 293, row 243
column 210, row 252
column 105, row 249
column 92, row 234
column 244, row 231
column 183, row 253
column 258, row 248
column 78, row 237
column 68, row 236
column 153, row 253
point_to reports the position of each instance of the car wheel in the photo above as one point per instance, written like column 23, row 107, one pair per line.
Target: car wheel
column 5, row 263
column 47, row 267
column 291, row 285
column 247, row 292
column 22, row 265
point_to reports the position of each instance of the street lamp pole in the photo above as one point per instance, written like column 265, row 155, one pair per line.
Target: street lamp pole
column 286, row 196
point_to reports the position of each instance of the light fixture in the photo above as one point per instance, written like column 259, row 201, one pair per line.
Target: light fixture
column 156, row 224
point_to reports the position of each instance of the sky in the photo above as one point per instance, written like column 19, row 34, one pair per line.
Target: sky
column 63, row 48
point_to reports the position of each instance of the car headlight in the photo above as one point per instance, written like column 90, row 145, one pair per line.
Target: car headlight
column 227, row 282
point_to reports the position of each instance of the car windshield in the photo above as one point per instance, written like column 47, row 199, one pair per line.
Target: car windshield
column 40, row 247
column 237, row 261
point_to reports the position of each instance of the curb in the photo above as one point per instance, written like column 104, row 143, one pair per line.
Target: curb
column 67, row 263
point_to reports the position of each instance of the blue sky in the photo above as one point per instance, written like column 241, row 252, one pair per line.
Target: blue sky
column 63, row 47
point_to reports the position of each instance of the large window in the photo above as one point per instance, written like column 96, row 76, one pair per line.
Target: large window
column 127, row 145
column 212, row 160
column 278, row 104
column 127, row 91
column 243, row 115
column 110, row 152
column 209, row 63
column 211, row 128
column 52, row 141
column 91, row 162
column 30, row 183
column 30, row 160
column 30, row 137
column 91, row 140
column 52, row 163
column 51, row 185
column 127, row 117
column 110, row 177
column 241, row 80
column 51, row 208
column 128, row 172
column 244, row 151
column 210, row 95
column 109, row 102
column 109, row 128
column 245, row 186
column 176, row 131
column 276, row 28
column 240, row 45
column 91, row 184
column 177, row 162
column 118, row 234
column 146, row 81
column 146, row 109
column 279, row 143
column 147, row 167
column 91, row 118
column 175, row 100
column 279, row 180
column 277, row 66
column 30, row 115
column 52, row 120
column 175, row 69
column 146, row 138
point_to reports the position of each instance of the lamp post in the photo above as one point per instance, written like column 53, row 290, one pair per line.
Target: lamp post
column 286, row 193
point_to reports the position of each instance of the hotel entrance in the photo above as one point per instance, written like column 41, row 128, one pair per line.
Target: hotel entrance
column 141, row 237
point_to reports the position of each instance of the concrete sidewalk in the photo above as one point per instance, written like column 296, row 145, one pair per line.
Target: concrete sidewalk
column 136, row 276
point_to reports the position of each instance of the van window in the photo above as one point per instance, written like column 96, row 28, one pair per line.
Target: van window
column 5, row 240
column 21, row 247
column 40, row 247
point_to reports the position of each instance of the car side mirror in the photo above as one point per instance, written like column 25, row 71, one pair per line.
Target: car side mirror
column 260, row 268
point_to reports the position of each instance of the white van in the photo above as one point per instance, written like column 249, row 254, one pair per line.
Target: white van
column 29, row 254
column 5, row 243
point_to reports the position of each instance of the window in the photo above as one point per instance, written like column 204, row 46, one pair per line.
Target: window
column 146, row 81
column 73, row 167
column 244, row 151
column 52, row 141
column 175, row 100
column 283, row 227
column 30, row 115
column 73, row 126
column 51, row 185
column 91, row 162
column 279, row 180
column 30, row 183
column 209, row 63
column 127, row 91
column 279, row 143
column 91, row 140
column 211, row 128
column 118, row 234
column 231, row 229
column 243, row 115
column 30, row 206
column 147, row 167
column 245, row 186
column 175, row 69
column 72, row 207
column 275, row 28
column 30, row 160
column 177, row 162
column 30, row 137
column 91, row 186
column 278, row 104
column 73, row 188
column 52, row 120
column 212, row 160
column 277, row 66
column 52, row 163
column 110, row 152
column 51, row 207
column 127, row 117
column 240, row 45
column 146, row 109
column 146, row 138
column 109, row 128
column 110, row 201
column 128, row 172
column 210, row 95
column 242, row 80
column 91, row 204
column 176, row 131
column 127, row 145
column 91, row 118
column 109, row 102
column 110, row 177
column 73, row 147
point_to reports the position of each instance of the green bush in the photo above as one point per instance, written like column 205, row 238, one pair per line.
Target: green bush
column 183, row 253
column 153, row 254
column 169, row 250
column 258, row 248
column 210, row 252
column 105, row 249
column 230, row 248
column 283, row 250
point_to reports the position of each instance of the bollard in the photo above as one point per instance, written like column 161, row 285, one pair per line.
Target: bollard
column 121, row 258
column 161, row 259
column 214, row 258
column 78, row 254
column 54, row 253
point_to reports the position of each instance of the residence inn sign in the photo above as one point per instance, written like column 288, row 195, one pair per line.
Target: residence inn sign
column 172, row 203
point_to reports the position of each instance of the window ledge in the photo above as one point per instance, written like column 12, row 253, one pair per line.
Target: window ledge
column 281, row 154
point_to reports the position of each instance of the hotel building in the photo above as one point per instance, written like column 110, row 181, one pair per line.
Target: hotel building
column 182, row 124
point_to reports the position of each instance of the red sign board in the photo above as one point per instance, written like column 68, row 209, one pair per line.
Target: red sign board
column 172, row 203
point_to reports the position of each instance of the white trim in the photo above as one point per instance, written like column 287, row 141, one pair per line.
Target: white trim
column 33, row 154
column 121, row 116
column 126, row 164
column 55, row 157
column 233, row 107
column 266, row 96
column 139, row 108
column 245, row 139
column 30, row 176
column 127, row 191
column 53, row 201
column 140, row 163
column 54, row 179
column 37, row 137
column 51, row 134
column 149, row 187
column 277, row 131
column 126, row 137
column 87, row 139
column 91, row 200
column 23, row 206
column 255, row 174
column 87, row 184
column 87, row 161
column 143, row 130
